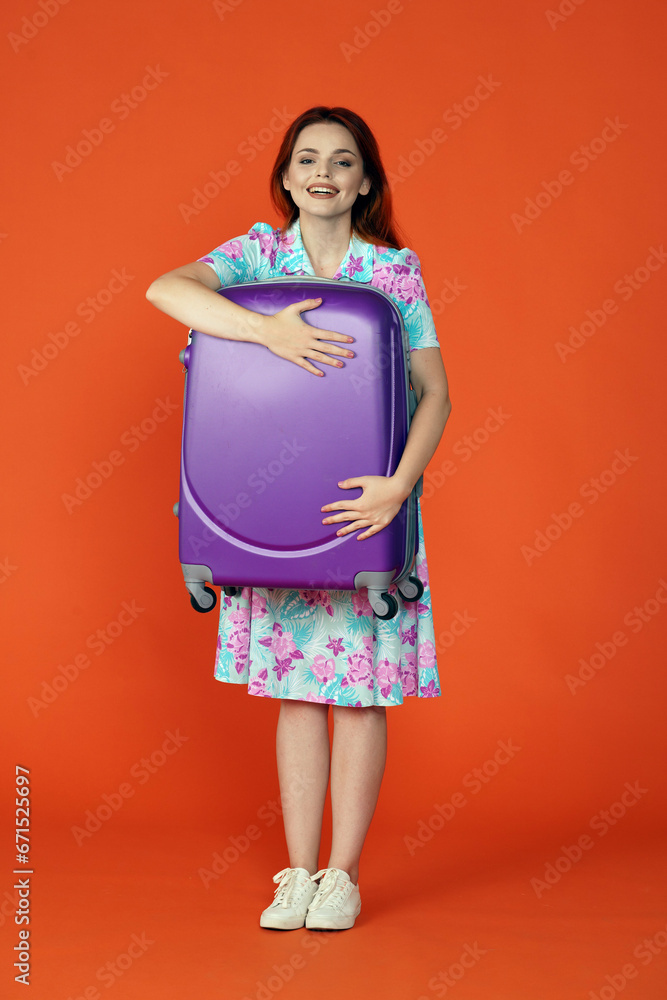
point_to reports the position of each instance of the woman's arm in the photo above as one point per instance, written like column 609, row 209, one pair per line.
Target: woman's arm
column 428, row 423
column 382, row 496
column 188, row 294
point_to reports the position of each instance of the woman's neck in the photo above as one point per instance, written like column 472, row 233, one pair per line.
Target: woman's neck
column 326, row 241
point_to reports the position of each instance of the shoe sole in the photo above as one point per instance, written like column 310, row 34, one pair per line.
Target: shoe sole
column 309, row 927
column 313, row 925
column 270, row 925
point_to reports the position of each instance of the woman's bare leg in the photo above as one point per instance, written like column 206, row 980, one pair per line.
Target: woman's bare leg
column 358, row 758
column 302, row 754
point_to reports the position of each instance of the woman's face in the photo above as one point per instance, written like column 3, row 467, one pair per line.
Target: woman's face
column 326, row 172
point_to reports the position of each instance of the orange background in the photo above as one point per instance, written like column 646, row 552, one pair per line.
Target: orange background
column 521, row 287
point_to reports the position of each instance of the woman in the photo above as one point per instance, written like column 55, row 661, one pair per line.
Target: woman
column 311, row 649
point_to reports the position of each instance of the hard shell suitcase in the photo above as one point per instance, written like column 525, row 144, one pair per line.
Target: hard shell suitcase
column 265, row 444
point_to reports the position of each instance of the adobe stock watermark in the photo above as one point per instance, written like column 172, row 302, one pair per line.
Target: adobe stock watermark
column 258, row 481
column 464, row 449
column 635, row 619
column 591, row 490
column 581, row 158
column 7, row 570
column 102, row 469
column 311, row 943
column 249, row 148
column 97, row 642
column 239, row 845
column 92, row 138
column 364, row 34
column 644, row 952
column 449, row 294
column 454, row 116
column 458, row 627
column 446, row 979
column 565, row 10
column 32, row 24
column 474, row 781
column 9, row 906
column 600, row 824
column 109, row 973
column 142, row 770
column 625, row 288
column 222, row 7
column 88, row 310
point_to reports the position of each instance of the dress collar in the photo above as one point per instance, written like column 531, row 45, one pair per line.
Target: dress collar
column 357, row 264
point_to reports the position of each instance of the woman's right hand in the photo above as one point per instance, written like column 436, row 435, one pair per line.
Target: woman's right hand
column 286, row 335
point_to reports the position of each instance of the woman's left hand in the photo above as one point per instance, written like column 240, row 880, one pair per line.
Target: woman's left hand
column 377, row 506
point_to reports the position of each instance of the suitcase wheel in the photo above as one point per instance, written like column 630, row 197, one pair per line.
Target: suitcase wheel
column 212, row 599
column 386, row 607
column 411, row 589
column 231, row 591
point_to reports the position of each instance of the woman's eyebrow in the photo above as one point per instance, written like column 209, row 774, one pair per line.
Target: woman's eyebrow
column 335, row 152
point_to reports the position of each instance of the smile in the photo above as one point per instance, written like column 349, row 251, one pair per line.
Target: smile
column 322, row 191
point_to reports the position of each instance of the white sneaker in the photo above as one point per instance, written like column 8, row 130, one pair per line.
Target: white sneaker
column 291, row 900
column 337, row 902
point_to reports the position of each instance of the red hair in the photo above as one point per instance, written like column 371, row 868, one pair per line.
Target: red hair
column 372, row 214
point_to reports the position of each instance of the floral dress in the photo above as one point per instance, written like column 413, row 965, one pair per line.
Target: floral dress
column 327, row 645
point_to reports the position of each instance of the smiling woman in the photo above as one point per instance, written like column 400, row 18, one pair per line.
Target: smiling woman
column 315, row 648
column 332, row 175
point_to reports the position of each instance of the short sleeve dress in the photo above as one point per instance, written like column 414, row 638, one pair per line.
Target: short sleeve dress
column 327, row 645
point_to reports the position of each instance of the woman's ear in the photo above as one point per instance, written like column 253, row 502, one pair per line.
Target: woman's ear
column 365, row 186
column 285, row 182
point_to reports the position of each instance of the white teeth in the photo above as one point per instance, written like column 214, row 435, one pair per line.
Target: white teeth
column 316, row 190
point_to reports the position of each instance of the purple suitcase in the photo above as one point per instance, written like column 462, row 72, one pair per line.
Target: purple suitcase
column 265, row 444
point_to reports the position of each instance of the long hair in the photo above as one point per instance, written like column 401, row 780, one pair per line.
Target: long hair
column 372, row 214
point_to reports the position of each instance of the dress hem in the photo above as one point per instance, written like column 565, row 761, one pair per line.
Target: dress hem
column 317, row 701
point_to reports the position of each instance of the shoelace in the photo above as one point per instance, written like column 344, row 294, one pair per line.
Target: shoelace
column 331, row 891
column 288, row 880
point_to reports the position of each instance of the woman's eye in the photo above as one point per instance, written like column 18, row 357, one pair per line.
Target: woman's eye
column 307, row 159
